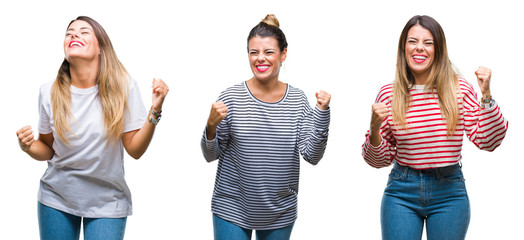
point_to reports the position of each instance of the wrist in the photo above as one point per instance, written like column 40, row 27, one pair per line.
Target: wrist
column 375, row 127
column 154, row 116
column 322, row 107
column 487, row 102
column 156, row 110
column 25, row 149
column 486, row 94
column 211, row 126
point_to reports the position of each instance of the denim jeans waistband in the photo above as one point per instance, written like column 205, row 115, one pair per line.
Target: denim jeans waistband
column 430, row 171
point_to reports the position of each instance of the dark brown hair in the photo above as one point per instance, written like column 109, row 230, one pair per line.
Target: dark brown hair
column 269, row 27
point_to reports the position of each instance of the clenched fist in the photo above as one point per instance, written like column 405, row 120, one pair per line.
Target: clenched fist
column 160, row 90
column 483, row 79
column 217, row 114
column 323, row 99
column 379, row 112
column 25, row 138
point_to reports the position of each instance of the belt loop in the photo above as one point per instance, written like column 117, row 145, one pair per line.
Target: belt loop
column 438, row 172
column 405, row 171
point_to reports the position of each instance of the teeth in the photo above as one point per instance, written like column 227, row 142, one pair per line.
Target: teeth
column 262, row 67
column 419, row 57
column 75, row 43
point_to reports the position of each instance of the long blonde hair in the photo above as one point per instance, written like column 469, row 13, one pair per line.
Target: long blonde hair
column 113, row 84
column 442, row 77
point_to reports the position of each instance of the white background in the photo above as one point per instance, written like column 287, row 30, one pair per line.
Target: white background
column 199, row 49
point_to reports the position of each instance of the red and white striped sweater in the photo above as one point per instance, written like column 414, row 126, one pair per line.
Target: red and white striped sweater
column 424, row 144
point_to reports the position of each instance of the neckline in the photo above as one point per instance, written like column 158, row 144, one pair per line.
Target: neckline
column 84, row 91
column 419, row 86
column 263, row 102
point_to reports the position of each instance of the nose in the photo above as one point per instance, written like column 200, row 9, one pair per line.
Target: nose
column 420, row 46
column 261, row 57
column 74, row 34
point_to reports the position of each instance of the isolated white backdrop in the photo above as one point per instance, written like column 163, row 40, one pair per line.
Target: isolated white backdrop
column 199, row 49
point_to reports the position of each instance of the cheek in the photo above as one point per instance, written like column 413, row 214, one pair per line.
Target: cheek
column 66, row 43
column 94, row 43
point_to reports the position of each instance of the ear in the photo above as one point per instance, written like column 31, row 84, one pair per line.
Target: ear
column 283, row 55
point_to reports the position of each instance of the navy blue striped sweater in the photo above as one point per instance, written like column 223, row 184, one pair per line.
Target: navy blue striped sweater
column 258, row 146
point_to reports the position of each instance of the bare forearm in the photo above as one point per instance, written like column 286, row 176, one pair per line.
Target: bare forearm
column 137, row 142
column 374, row 137
column 40, row 151
column 211, row 132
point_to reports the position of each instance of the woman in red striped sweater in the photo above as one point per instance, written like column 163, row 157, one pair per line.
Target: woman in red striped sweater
column 417, row 124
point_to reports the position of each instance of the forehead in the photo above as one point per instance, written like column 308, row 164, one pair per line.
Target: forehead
column 79, row 24
column 418, row 31
column 263, row 42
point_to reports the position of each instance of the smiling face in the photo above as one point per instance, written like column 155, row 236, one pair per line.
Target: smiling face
column 81, row 42
column 265, row 58
column 419, row 52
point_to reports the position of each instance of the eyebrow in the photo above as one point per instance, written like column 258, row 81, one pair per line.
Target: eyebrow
column 253, row 49
column 71, row 29
column 427, row 39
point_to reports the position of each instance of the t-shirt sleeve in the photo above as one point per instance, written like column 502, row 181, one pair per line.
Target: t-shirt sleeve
column 136, row 112
column 44, row 122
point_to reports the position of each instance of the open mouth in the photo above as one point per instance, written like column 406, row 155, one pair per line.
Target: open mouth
column 262, row 68
column 419, row 58
column 75, row 44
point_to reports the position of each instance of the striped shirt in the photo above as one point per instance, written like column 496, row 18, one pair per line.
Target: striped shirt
column 425, row 145
column 258, row 146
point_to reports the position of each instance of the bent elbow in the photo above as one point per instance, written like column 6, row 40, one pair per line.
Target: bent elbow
column 208, row 159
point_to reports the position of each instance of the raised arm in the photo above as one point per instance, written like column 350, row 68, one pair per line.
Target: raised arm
column 315, row 128
column 484, row 123
column 136, row 142
column 216, row 132
column 379, row 149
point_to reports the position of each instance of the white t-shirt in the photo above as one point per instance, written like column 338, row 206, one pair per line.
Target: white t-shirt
column 86, row 177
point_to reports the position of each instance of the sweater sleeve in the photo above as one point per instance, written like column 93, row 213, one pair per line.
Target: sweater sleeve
column 313, row 133
column 485, row 127
column 383, row 154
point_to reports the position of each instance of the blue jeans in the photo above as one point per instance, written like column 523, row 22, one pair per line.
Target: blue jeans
column 436, row 196
column 224, row 230
column 55, row 224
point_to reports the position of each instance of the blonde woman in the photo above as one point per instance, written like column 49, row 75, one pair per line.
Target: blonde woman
column 417, row 124
column 87, row 115
column 256, row 130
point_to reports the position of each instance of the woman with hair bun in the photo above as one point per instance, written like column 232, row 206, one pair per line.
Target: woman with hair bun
column 87, row 116
column 417, row 124
column 256, row 130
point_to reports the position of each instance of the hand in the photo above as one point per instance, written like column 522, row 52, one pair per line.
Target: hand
column 483, row 79
column 217, row 114
column 323, row 99
column 160, row 90
column 380, row 111
column 25, row 138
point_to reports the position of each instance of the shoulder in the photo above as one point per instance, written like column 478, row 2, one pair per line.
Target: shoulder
column 235, row 91
column 295, row 91
column 466, row 88
column 45, row 89
column 296, row 96
column 132, row 83
column 385, row 93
